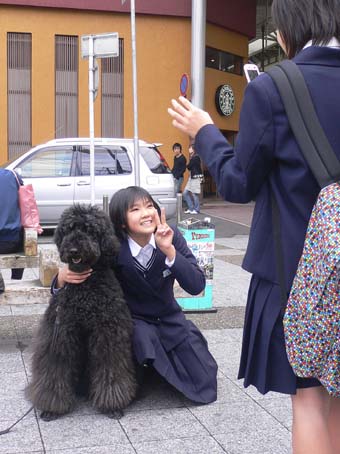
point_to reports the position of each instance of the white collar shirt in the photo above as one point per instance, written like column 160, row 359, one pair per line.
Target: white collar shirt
column 142, row 254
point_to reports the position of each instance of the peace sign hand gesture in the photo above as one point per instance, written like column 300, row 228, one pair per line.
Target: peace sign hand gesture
column 164, row 235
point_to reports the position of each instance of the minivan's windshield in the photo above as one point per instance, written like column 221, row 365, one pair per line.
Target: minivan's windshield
column 154, row 160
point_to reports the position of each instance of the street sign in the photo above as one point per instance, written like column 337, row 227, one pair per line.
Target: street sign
column 104, row 45
column 92, row 47
column 184, row 84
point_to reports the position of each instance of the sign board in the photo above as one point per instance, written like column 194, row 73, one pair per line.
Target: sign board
column 104, row 45
column 201, row 241
column 184, row 84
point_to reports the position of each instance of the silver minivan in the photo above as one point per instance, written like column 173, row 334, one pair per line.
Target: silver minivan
column 59, row 171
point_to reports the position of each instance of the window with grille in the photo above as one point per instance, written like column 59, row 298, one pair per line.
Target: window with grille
column 66, row 86
column 19, row 93
column 112, row 88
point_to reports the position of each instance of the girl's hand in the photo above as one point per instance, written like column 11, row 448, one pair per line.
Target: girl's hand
column 188, row 118
column 164, row 235
column 66, row 276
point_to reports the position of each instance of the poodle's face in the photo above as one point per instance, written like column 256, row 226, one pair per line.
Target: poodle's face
column 85, row 238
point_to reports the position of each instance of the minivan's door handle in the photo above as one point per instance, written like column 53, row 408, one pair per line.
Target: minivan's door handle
column 83, row 183
column 63, row 184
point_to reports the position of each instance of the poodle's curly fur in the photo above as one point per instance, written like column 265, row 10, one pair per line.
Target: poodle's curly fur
column 84, row 342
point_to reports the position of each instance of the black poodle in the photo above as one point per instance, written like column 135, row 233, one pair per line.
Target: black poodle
column 84, row 342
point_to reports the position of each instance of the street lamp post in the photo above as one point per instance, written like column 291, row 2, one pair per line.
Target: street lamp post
column 92, row 47
column 134, row 89
column 198, row 17
column 91, row 118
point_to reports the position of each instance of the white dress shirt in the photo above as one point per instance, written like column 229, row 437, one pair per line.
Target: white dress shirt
column 144, row 254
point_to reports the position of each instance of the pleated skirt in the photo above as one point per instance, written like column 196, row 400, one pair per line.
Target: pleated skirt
column 189, row 366
column 264, row 363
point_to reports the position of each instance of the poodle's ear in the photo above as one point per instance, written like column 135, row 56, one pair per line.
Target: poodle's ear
column 109, row 246
column 109, row 243
column 66, row 222
column 58, row 235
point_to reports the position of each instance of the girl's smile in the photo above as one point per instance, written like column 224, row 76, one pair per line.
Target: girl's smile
column 141, row 222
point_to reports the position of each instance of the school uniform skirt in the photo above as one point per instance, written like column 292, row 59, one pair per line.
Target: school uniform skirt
column 189, row 366
column 264, row 361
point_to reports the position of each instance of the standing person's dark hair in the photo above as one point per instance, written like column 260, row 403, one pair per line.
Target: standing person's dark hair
column 267, row 161
column 299, row 21
column 177, row 145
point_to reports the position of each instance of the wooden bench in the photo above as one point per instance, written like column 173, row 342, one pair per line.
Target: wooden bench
column 19, row 260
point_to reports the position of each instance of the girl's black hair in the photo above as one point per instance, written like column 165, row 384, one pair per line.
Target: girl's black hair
column 121, row 202
column 298, row 21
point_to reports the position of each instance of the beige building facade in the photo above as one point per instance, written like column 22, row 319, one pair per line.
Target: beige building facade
column 44, row 80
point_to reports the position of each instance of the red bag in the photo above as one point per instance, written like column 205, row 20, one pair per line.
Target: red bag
column 28, row 207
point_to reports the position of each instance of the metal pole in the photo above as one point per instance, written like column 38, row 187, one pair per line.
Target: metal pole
column 135, row 104
column 91, row 114
column 179, row 207
column 106, row 204
column 198, row 17
column 262, row 53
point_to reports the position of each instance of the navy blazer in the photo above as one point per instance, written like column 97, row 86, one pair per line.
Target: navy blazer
column 151, row 297
column 267, row 158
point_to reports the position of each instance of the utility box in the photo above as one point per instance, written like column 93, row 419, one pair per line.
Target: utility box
column 200, row 237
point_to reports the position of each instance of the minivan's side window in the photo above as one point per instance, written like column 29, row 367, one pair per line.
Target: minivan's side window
column 108, row 161
column 48, row 162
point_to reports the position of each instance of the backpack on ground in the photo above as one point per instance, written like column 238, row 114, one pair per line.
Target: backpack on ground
column 312, row 313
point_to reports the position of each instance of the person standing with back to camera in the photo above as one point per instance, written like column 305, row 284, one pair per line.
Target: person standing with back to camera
column 11, row 231
column 266, row 159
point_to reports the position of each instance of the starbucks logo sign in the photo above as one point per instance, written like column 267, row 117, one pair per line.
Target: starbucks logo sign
column 225, row 100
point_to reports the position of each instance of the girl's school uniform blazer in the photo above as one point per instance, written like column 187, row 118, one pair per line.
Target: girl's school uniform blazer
column 151, row 297
column 163, row 336
column 266, row 159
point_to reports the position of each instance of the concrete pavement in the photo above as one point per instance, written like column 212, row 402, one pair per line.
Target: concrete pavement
column 161, row 420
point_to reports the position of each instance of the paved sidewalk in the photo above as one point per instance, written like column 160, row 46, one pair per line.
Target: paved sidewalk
column 160, row 420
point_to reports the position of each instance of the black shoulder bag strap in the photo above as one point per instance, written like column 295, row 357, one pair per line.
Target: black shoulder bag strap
column 311, row 139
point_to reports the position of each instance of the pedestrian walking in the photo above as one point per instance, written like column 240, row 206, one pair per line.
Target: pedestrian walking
column 266, row 161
